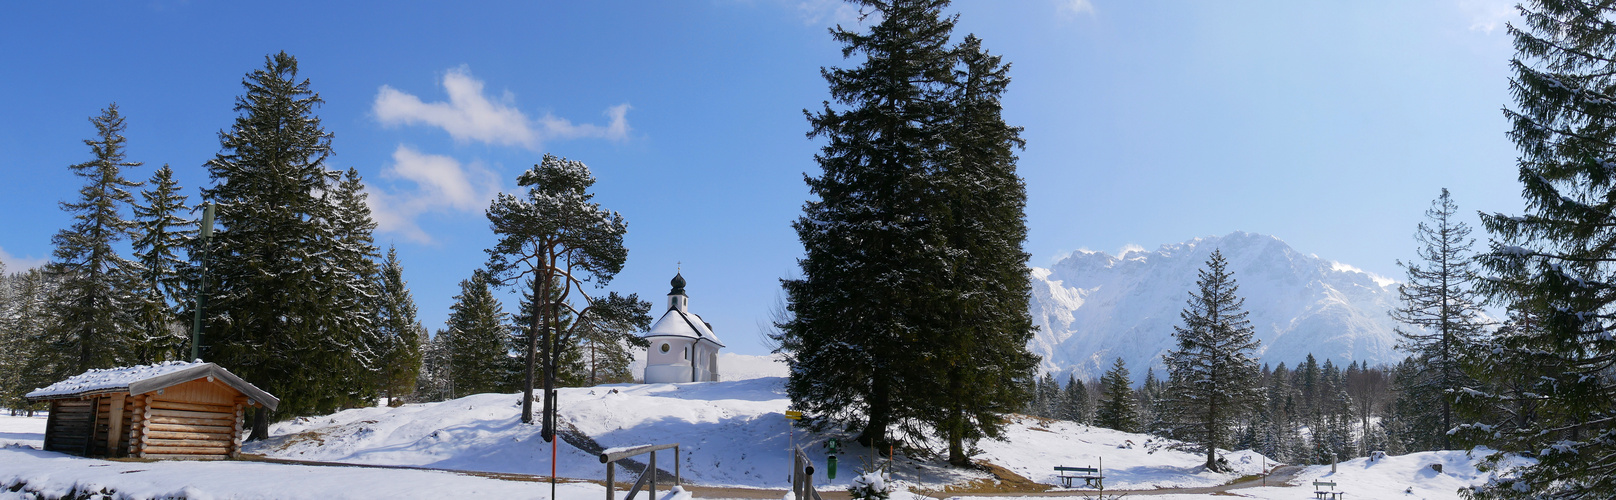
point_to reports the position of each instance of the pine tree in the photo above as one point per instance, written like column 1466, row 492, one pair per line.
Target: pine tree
column 1213, row 377
column 402, row 332
column 1555, row 261
column 161, row 234
column 1118, row 406
column 355, row 290
column 478, row 343
column 1076, row 399
column 95, row 293
column 875, row 247
column 286, row 303
column 27, row 360
column 1441, row 306
column 436, row 381
column 556, row 237
column 986, row 289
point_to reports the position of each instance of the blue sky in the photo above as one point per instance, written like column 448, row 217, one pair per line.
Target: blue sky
column 1329, row 125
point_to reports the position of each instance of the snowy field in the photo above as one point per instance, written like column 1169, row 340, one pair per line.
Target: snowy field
column 731, row 434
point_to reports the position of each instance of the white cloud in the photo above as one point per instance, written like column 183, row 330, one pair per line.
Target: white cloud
column 1074, row 7
column 18, row 264
column 830, row 12
column 1488, row 15
column 441, row 184
column 469, row 115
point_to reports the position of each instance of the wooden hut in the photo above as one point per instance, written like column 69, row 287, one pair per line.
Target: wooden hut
column 167, row 410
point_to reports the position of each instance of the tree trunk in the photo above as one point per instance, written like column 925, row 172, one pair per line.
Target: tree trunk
column 260, row 428
column 532, row 347
column 874, row 434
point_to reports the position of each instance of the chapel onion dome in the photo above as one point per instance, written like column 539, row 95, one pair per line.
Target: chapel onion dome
column 678, row 284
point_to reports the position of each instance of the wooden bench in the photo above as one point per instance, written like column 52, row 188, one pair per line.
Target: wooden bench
column 1090, row 476
column 1323, row 494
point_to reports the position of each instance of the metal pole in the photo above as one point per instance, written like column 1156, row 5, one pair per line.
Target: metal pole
column 611, row 483
column 206, row 233
column 652, row 471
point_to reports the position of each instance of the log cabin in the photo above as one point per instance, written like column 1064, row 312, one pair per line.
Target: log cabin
column 175, row 409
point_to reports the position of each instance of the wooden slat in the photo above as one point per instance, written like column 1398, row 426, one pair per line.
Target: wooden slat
column 155, row 435
column 221, row 422
column 210, row 429
column 187, row 450
column 188, row 443
column 159, row 412
column 71, row 403
column 176, row 405
column 183, row 457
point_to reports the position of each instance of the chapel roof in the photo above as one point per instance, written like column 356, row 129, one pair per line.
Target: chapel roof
column 676, row 323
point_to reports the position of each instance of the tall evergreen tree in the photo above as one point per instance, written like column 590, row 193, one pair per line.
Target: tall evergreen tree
column 401, row 331
column 1441, row 306
column 1556, row 260
column 859, row 338
column 1118, row 407
column 478, row 340
column 161, row 234
column 285, row 303
column 95, row 292
column 559, row 240
column 984, row 294
column 1213, row 377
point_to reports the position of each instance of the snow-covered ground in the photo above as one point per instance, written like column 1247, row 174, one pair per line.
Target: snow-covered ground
column 731, row 434
column 52, row 475
column 1395, row 477
column 20, row 430
column 1130, row 461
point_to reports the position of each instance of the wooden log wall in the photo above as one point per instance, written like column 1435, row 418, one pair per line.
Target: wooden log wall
column 197, row 419
column 69, row 425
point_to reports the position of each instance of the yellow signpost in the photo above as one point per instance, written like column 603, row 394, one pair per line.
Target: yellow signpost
column 794, row 414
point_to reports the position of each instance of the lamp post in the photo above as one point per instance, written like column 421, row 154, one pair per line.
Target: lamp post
column 202, row 282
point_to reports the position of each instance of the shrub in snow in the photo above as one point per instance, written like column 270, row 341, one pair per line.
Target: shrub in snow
column 870, row 486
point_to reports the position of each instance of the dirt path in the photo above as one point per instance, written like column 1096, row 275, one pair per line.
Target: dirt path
column 1277, row 477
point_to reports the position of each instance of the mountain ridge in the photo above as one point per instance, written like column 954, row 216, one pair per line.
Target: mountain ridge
column 1093, row 307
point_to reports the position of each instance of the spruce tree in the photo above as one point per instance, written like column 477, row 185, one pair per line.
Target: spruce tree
column 1555, row 261
column 875, row 248
column 558, row 239
column 1118, row 406
column 95, row 285
column 402, row 333
column 161, row 234
column 1076, row 401
column 478, row 343
column 1213, row 376
column 1441, row 306
column 287, row 297
column 986, row 320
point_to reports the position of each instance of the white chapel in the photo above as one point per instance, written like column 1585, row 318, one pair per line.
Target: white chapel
column 683, row 347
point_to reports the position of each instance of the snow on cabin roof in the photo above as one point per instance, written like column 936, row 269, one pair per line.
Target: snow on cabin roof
column 676, row 323
column 146, row 378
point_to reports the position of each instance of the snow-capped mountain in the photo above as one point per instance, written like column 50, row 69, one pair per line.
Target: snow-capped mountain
column 1093, row 307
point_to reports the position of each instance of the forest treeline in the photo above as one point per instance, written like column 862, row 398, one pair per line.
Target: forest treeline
column 294, row 295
